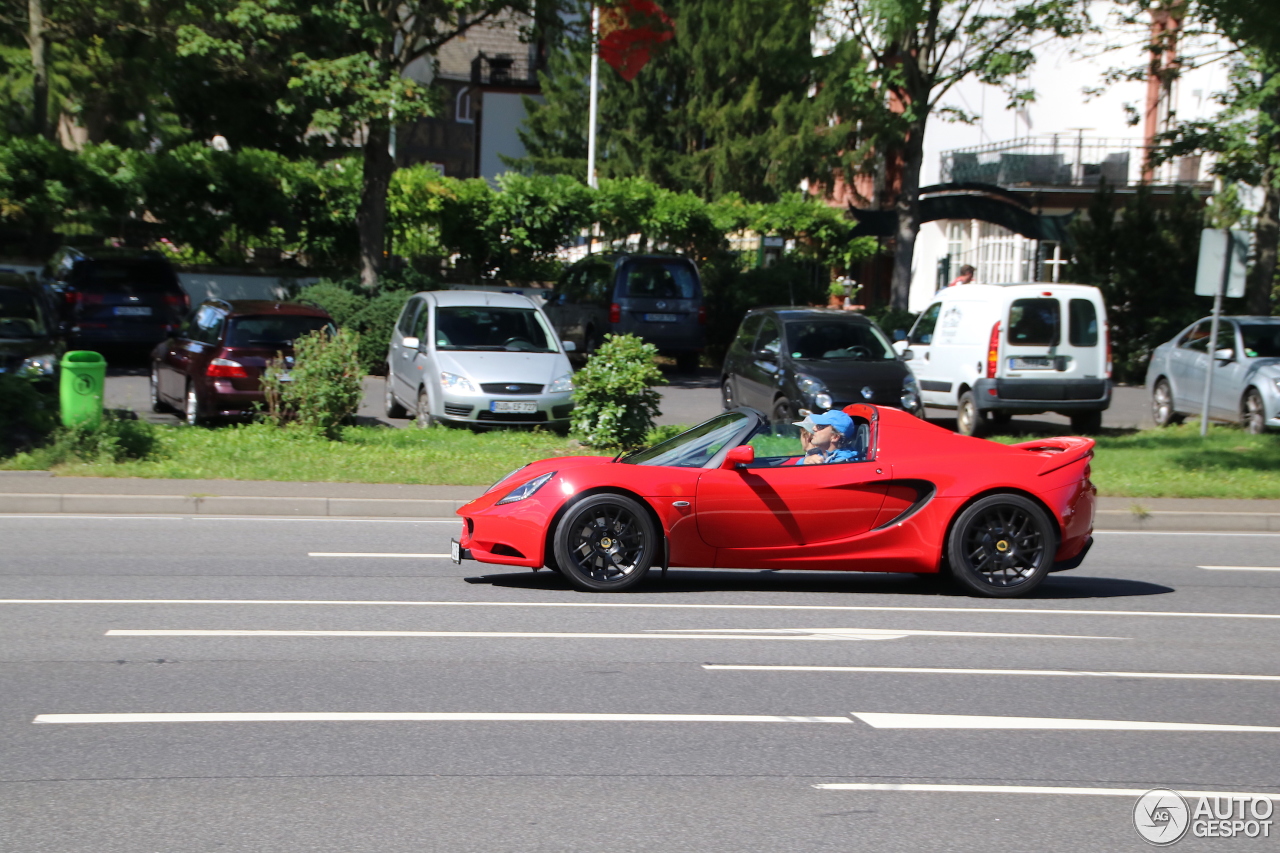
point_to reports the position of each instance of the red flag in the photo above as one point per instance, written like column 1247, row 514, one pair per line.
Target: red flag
column 629, row 30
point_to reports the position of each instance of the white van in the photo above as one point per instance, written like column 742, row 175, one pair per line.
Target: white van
column 991, row 351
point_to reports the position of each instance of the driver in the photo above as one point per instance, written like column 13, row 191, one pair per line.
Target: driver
column 823, row 438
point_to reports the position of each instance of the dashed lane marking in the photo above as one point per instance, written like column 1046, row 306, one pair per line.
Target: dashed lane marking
column 1027, row 789
column 431, row 717
column 967, row 721
column 780, row 634
column 919, row 670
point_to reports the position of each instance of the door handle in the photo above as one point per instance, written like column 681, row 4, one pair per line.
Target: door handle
column 926, row 356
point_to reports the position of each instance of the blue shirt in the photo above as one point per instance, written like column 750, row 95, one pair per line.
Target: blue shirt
column 840, row 455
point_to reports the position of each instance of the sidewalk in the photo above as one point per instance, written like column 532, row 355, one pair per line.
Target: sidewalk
column 39, row 492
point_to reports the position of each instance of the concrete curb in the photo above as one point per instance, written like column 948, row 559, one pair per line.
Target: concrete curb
column 322, row 507
column 14, row 502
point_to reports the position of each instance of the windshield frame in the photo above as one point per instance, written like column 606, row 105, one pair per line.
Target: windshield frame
column 751, row 422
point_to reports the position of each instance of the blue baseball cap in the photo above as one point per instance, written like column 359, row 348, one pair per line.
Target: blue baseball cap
column 843, row 423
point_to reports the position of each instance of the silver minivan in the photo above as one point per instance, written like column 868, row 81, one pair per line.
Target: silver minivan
column 480, row 358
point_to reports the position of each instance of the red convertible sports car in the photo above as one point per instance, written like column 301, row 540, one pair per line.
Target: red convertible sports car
column 729, row 494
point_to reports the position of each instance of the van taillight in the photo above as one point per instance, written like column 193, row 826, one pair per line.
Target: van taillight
column 702, row 315
column 993, row 351
column 615, row 313
column 178, row 300
column 1106, row 333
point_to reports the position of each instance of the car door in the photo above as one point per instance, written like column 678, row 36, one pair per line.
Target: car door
column 400, row 365
column 192, row 351
column 934, row 389
column 778, row 509
column 739, row 354
column 761, row 368
column 1228, row 373
column 1186, row 368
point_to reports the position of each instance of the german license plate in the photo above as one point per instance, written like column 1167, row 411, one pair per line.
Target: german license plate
column 1031, row 362
column 455, row 550
column 511, row 407
column 660, row 318
column 132, row 311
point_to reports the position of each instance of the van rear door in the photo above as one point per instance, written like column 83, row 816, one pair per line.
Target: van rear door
column 1055, row 334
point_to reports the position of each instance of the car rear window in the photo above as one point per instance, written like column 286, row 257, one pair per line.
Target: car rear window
column 19, row 314
column 837, row 340
column 138, row 276
column 272, row 330
column 1034, row 322
column 1084, row 323
column 1261, row 340
column 465, row 327
column 654, row 279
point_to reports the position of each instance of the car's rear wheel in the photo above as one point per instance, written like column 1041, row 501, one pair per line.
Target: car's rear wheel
column 969, row 418
column 1162, row 405
column 727, row 399
column 1001, row 546
column 605, row 543
column 193, row 411
column 391, row 405
column 157, row 405
column 423, row 414
column 1086, row 423
column 1253, row 415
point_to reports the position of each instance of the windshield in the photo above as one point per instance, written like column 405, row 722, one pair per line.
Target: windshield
column 19, row 315
column 469, row 327
column 660, row 279
column 1261, row 340
column 694, row 448
column 273, row 330
column 837, row 340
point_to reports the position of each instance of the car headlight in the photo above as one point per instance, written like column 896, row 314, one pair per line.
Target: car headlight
column 910, row 393
column 38, row 366
column 564, row 383
column 814, row 389
column 522, row 492
column 454, row 382
column 506, row 477
column 1277, row 381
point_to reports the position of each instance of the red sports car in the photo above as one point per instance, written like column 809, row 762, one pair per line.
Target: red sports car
column 729, row 494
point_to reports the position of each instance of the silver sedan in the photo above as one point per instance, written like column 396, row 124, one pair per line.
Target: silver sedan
column 1246, row 373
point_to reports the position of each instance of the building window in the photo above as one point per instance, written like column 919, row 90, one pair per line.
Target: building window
column 463, row 109
column 1051, row 261
column 1004, row 256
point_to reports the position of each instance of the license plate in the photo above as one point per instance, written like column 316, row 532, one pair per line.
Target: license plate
column 455, row 550
column 513, row 407
column 133, row 311
column 661, row 318
column 1031, row 362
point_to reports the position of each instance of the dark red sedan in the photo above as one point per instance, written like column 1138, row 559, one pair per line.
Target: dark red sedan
column 212, row 367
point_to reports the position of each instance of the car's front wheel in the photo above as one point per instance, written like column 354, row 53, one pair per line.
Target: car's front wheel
column 1253, row 415
column 1002, row 546
column 422, row 416
column 192, row 413
column 727, row 399
column 1162, row 405
column 605, row 543
column 157, row 405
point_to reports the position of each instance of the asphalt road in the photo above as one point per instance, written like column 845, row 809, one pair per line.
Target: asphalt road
column 703, row 729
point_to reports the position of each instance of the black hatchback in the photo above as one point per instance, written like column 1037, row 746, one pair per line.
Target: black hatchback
column 29, row 342
column 791, row 362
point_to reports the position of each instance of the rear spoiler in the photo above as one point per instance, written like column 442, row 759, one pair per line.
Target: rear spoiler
column 1058, row 452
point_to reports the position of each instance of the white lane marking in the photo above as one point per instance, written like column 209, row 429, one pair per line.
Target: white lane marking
column 790, row 635
column 1241, row 568
column 968, row 721
column 413, row 716
column 920, row 670
column 358, row 554
column 101, row 517
column 611, row 605
column 1026, row 789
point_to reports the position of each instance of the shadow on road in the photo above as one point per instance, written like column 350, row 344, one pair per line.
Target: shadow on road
column 1055, row 587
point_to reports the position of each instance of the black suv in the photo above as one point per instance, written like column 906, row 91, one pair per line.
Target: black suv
column 29, row 342
column 790, row 362
column 110, row 298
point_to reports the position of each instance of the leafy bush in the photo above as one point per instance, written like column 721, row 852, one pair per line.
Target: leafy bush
column 27, row 417
column 111, row 440
column 338, row 299
column 325, row 385
column 615, row 403
column 374, row 323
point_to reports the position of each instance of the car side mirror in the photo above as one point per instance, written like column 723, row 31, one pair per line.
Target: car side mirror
column 740, row 455
column 410, row 343
column 1224, row 354
column 907, row 355
column 569, row 346
column 765, row 355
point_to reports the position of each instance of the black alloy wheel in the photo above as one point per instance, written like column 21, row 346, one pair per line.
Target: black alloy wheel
column 1253, row 415
column 605, row 543
column 1002, row 546
column 1162, row 405
column 726, row 395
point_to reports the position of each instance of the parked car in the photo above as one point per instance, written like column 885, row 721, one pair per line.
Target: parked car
column 655, row 297
column 1246, row 373
column 212, row 367
column 479, row 358
column 114, row 299
column 29, row 342
column 790, row 362
column 729, row 493
column 996, row 350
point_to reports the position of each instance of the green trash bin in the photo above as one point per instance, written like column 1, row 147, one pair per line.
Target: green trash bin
column 80, row 389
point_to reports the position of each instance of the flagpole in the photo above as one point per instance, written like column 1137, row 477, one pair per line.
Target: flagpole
column 591, row 113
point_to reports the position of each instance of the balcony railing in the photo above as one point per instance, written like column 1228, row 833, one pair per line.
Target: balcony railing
column 1065, row 160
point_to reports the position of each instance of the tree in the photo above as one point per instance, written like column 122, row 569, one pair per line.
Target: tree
column 736, row 102
column 917, row 51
